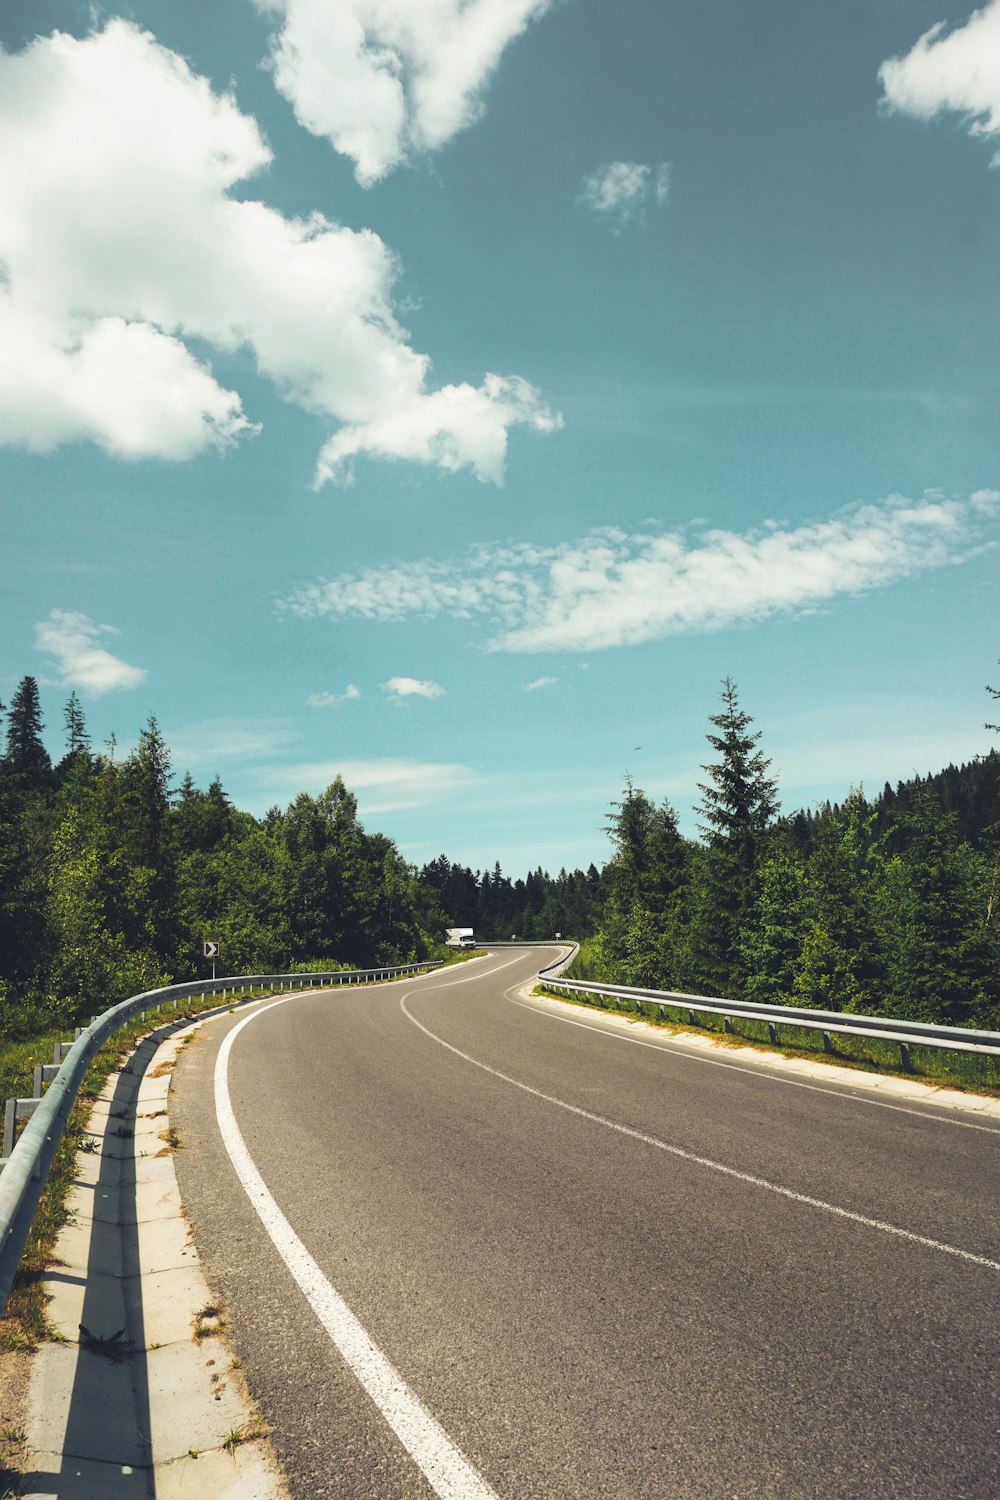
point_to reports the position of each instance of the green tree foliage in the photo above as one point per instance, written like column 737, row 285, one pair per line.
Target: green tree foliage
column 738, row 805
column 643, row 928
column 26, row 757
column 888, row 907
column 496, row 906
column 941, row 943
column 771, row 945
column 77, row 738
column 110, row 881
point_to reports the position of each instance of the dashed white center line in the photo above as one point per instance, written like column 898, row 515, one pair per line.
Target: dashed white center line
column 707, row 1162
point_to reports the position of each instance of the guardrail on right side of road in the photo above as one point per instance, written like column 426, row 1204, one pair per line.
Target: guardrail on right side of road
column 905, row 1034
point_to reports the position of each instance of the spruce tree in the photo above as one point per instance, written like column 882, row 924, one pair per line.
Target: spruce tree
column 77, row 738
column 26, row 754
column 738, row 805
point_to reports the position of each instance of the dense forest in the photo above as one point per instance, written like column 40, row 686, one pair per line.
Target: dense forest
column 112, row 876
column 886, row 906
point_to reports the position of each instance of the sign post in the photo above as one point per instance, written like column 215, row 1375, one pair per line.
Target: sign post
column 211, row 950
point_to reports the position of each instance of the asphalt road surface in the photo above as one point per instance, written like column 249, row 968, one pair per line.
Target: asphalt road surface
column 594, row 1268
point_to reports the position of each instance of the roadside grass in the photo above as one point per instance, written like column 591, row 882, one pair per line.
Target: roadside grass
column 958, row 1070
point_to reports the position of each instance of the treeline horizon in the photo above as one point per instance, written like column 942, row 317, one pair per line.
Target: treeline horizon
column 111, row 878
column 885, row 906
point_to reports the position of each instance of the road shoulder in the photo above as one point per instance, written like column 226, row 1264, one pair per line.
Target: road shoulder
column 800, row 1069
column 137, row 1392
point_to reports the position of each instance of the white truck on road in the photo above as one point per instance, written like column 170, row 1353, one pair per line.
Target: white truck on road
column 459, row 937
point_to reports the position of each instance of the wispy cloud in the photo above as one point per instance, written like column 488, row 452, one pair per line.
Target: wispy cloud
column 612, row 588
column 412, row 687
column 202, row 746
column 327, row 699
column 127, row 257
column 384, row 82
column 539, row 682
column 74, row 640
column 951, row 71
column 380, row 785
column 622, row 190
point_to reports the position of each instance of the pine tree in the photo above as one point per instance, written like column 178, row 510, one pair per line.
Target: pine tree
column 771, row 944
column 77, row 738
column 26, row 754
column 739, row 802
column 941, row 949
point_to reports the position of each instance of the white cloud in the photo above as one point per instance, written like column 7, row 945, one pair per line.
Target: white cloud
column 120, row 241
column 327, row 699
column 74, row 640
column 539, row 682
column 412, row 687
column 456, row 427
column 623, row 189
column 202, row 746
column 611, row 588
column 380, row 785
column 955, row 71
column 385, row 79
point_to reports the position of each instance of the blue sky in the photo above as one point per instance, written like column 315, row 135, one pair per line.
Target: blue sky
column 450, row 393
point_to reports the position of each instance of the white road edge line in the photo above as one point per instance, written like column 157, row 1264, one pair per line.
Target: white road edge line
column 834, row 1089
column 449, row 1474
column 707, row 1162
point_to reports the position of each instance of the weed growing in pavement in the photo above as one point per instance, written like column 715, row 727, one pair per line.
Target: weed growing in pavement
column 248, row 1433
column 209, row 1321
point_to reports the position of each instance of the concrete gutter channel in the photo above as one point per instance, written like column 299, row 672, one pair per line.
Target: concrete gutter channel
column 137, row 1397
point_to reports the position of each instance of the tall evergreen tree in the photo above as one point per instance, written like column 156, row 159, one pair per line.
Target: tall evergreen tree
column 77, row 738
column 738, row 805
column 942, row 953
column 144, row 799
column 26, row 754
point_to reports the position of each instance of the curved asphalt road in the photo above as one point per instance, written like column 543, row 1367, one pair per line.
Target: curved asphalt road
column 584, row 1312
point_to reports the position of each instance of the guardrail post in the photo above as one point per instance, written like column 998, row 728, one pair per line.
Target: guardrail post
column 827, row 1042
column 772, row 1033
column 44, row 1073
column 904, row 1054
column 728, row 1024
column 16, row 1109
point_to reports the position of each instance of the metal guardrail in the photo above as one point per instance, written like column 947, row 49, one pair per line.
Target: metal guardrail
column 25, row 1165
column 906, row 1034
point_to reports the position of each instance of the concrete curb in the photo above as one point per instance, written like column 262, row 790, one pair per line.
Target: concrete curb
column 138, row 1395
column 897, row 1090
